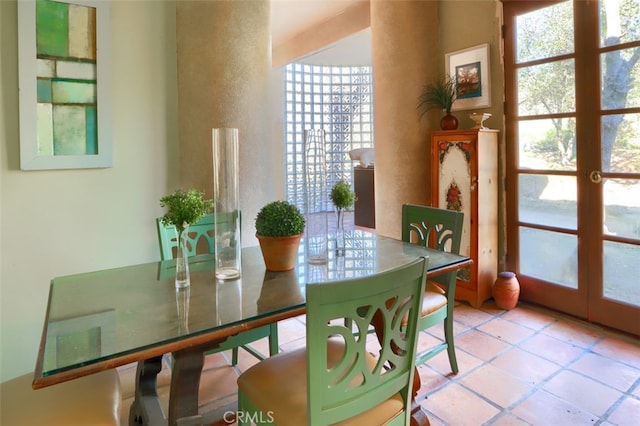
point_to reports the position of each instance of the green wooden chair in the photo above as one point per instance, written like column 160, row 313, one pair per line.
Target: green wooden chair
column 440, row 229
column 340, row 374
column 201, row 239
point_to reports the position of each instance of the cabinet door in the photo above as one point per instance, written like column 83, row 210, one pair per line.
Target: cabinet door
column 453, row 178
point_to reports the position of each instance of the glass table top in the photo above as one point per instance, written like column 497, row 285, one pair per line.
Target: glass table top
column 114, row 314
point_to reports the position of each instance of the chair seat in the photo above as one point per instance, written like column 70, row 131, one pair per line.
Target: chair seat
column 434, row 298
column 91, row 400
column 278, row 385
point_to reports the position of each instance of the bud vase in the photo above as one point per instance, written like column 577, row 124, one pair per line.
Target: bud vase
column 182, row 260
column 506, row 290
column 340, row 243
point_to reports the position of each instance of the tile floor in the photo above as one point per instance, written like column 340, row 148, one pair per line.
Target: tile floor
column 518, row 367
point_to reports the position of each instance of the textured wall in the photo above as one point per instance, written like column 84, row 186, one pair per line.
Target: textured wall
column 404, row 38
column 224, row 62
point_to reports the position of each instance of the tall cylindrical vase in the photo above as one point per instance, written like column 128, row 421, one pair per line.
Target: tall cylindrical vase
column 226, row 207
column 315, row 190
column 182, row 260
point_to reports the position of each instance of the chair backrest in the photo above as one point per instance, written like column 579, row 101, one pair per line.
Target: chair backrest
column 343, row 387
column 198, row 232
column 433, row 227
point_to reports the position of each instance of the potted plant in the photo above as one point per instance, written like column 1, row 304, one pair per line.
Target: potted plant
column 342, row 198
column 440, row 94
column 183, row 209
column 279, row 227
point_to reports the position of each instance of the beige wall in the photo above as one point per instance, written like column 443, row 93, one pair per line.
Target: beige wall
column 477, row 22
column 63, row 222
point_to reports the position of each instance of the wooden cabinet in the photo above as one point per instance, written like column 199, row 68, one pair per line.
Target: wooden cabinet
column 365, row 204
column 464, row 177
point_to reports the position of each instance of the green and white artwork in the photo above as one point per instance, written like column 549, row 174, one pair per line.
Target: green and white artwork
column 64, row 96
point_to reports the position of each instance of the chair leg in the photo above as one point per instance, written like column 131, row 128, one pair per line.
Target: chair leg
column 451, row 349
column 234, row 356
column 273, row 339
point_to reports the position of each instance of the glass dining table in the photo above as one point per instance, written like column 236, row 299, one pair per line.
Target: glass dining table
column 105, row 319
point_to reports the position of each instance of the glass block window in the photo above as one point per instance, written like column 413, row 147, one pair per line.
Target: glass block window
column 336, row 99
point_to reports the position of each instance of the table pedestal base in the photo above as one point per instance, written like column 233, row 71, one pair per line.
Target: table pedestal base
column 185, row 383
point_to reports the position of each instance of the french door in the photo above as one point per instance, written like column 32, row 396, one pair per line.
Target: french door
column 572, row 82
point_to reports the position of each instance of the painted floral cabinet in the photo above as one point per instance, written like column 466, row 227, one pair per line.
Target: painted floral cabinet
column 464, row 177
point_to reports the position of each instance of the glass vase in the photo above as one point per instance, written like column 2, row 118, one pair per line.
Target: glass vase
column 182, row 260
column 340, row 243
column 315, row 191
column 226, row 207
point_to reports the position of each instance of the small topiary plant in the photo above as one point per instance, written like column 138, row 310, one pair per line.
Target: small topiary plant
column 342, row 196
column 184, row 208
column 279, row 219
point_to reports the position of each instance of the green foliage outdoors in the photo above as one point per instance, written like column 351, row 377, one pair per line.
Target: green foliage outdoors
column 439, row 94
column 548, row 89
column 279, row 219
column 341, row 195
column 184, row 208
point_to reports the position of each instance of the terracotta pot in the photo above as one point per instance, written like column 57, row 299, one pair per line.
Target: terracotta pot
column 280, row 253
column 506, row 290
column 449, row 122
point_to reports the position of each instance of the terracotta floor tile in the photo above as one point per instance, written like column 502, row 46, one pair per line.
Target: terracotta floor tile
column 458, row 328
column 572, row 333
column 491, row 308
column 290, row 329
column 545, row 409
column 457, row 406
column 470, row 316
column 505, row 330
column 620, row 350
column 528, row 367
column 430, row 380
column 427, row 341
column 627, row 413
column 552, row 349
column 217, row 383
column 466, row 363
column 509, row 420
column 529, row 318
column 583, row 392
column 606, row 370
column 496, row 385
column 480, row 345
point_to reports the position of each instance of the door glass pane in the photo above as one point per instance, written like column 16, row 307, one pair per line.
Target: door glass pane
column 546, row 88
column 621, row 143
column 619, row 22
column 547, row 200
column 621, row 272
column 548, row 144
column 545, row 33
column 620, row 75
column 622, row 207
column 549, row 256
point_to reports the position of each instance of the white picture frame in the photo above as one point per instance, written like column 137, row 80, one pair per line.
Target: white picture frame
column 32, row 155
column 470, row 70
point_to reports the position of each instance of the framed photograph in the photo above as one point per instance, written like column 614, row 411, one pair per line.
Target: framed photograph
column 64, row 61
column 470, row 69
